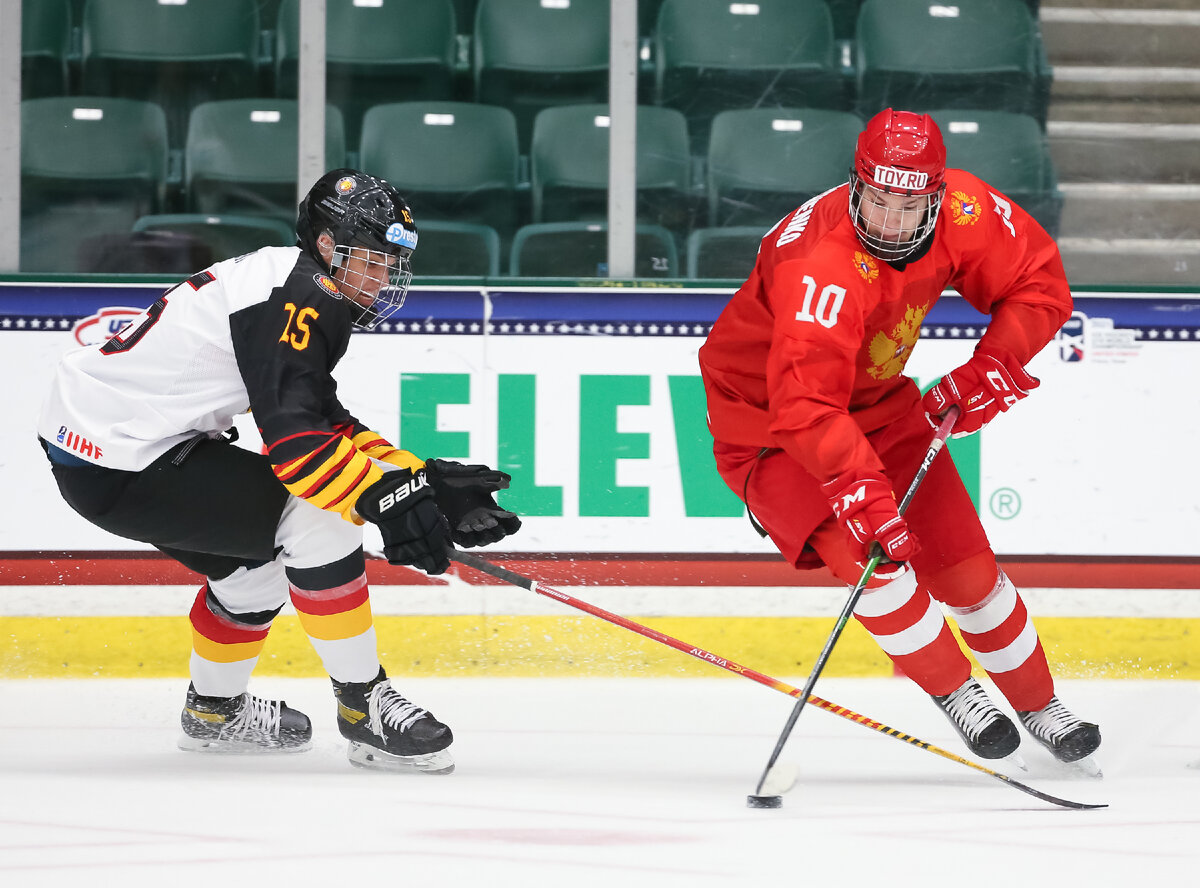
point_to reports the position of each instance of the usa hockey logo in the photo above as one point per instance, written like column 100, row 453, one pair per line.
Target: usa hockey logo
column 964, row 208
column 104, row 324
column 398, row 234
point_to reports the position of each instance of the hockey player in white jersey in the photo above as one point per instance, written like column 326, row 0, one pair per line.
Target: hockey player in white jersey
column 135, row 433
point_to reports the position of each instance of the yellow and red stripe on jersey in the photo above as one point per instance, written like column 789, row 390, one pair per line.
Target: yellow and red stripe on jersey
column 331, row 477
column 377, row 447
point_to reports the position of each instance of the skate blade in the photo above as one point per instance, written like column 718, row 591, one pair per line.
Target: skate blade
column 363, row 756
column 1085, row 767
column 1016, row 760
column 780, row 779
column 237, row 747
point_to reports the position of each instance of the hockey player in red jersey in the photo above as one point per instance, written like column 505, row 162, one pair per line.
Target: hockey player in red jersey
column 816, row 426
column 134, row 430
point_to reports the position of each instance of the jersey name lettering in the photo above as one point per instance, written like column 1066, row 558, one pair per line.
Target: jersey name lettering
column 795, row 227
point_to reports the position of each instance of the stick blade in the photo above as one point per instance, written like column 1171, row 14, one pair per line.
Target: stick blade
column 779, row 779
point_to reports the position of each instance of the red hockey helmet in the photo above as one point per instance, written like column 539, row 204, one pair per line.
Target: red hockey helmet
column 900, row 156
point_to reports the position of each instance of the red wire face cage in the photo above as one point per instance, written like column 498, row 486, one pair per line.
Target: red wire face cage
column 899, row 153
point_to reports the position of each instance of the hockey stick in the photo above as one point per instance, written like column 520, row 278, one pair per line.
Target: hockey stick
column 758, row 799
column 476, row 562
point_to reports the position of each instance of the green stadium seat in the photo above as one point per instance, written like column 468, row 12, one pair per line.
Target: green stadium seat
column 224, row 235
column 714, row 55
column 268, row 11
column 464, row 15
column 176, row 54
column 844, row 14
column 45, row 45
column 456, row 249
column 375, row 53
column 918, row 55
column 647, row 16
column 763, row 163
column 142, row 252
column 452, row 161
column 569, row 165
column 723, row 253
column 580, row 250
column 241, row 156
column 534, row 54
column 1008, row 151
column 88, row 165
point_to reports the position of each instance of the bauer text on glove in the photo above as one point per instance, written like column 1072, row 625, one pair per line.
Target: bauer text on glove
column 864, row 504
column 414, row 530
column 986, row 385
column 465, row 496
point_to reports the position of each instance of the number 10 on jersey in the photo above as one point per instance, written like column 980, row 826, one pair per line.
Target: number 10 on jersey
column 829, row 303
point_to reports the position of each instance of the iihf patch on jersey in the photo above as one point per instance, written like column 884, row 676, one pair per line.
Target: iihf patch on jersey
column 964, row 208
column 326, row 283
column 398, row 234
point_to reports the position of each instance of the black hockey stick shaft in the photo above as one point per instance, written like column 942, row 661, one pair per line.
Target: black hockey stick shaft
column 477, row 562
column 935, row 447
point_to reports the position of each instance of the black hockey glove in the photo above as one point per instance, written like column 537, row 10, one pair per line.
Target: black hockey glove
column 464, row 494
column 414, row 530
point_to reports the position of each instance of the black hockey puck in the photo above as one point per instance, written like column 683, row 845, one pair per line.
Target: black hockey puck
column 757, row 801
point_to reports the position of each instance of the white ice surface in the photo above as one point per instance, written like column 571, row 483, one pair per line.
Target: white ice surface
column 589, row 782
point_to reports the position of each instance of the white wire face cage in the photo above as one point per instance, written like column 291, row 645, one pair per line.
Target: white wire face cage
column 908, row 228
column 364, row 274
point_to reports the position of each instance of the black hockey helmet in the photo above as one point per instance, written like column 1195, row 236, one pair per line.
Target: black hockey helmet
column 368, row 220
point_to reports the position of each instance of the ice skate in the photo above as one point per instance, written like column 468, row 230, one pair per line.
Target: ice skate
column 242, row 724
column 1069, row 738
column 988, row 732
column 388, row 732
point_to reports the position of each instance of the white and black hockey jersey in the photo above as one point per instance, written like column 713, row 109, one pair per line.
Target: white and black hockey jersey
column 260, row 332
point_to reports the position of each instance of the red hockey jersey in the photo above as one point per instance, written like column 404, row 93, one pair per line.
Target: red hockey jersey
column 809, row 354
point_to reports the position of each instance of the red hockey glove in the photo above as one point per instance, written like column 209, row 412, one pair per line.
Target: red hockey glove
column 984, row 386
column 864, row 504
